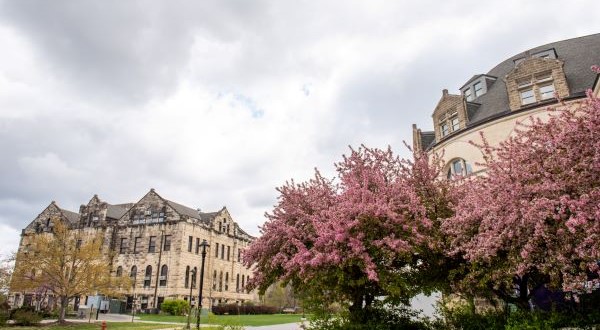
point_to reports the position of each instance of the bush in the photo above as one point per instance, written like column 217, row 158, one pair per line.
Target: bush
column 462, row 317
column 25, row 317
column 175, row 307
column 380, row 316
column 233, row 309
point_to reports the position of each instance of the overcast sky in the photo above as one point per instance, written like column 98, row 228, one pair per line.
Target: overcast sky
column 216, row 103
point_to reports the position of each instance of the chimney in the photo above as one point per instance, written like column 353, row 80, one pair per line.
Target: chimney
column 444, row 92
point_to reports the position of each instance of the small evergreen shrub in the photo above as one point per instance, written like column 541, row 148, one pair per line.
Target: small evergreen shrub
column 175, row 307
column 25, row 317
column 233, row 309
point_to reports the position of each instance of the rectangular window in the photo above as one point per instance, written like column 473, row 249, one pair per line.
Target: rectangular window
column 223, row 251
column 547, row 92
column 444, row 129
column 455, row 124
column 228, row 252
column 468, row 94
column 216, row 250
column 124, row 246
column 197, row 245
column 239, row 255
column 190, row 243
column 167, row 244
column 478, row 87
column 137, row 244
column 152, row 244
column 527, row 97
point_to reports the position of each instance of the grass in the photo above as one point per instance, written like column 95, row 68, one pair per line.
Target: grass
column 96, row 326
column 252, row 320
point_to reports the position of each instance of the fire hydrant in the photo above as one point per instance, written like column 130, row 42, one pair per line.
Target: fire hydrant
column 103, row 325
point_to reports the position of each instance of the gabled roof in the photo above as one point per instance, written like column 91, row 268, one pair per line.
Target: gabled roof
column 117, row 211
column 73, row 217
column 184, row 210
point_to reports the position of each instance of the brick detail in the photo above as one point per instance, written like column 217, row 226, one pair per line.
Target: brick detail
column 527, row 69
column 449, row 102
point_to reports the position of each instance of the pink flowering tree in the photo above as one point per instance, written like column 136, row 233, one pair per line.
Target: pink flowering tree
column 533, row 219
column 356, row 237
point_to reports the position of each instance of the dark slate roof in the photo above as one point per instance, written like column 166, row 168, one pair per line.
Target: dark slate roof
column 71, row 216
column 117, row 211
column 427, row 138
column 578, row 54
column 192, row 213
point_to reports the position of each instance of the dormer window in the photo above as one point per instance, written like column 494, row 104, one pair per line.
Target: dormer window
column 478, row 86
column 449, row 122
column 468, row 94
column 536, row 87
column 546, row 54
column 527, row 97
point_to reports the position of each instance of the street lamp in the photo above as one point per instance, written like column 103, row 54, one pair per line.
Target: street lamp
column 192, row 284
column 204, row 245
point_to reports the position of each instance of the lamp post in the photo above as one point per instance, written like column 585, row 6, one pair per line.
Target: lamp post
column 192, row 284
column 204, row 245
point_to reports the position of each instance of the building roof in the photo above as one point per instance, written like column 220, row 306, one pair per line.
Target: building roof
column 427, row 138
column 73, row 217
column 578, row 54
column 117, row 211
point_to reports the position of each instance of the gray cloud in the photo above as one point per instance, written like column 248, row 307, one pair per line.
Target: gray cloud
column 217, row 103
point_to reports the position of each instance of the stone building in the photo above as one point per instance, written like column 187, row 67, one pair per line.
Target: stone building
column 158, row 243
column 519, row 87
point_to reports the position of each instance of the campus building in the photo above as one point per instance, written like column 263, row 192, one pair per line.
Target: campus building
column 492, row 103
column 158, row 243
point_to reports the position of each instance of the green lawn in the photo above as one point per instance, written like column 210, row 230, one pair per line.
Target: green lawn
column 252, row 320
column 96, row 326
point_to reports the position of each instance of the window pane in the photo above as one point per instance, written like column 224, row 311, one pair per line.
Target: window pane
column 478, row 89
column 457, row 167
column 444, row 129
column 468, row 94
column 455, row 125
column 527, row 97
column 547, row 92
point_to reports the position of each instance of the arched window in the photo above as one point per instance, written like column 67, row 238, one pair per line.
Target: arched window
column 194, row 274
column 119, row 271
column 164, row 271
column 215, row 280
column 133, row 275
column 187, row 276
column 458, row 167
column 148, row 276
column 221, row 281
column 243, row 282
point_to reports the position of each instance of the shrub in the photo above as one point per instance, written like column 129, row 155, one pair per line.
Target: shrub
column 25, row 317
column 175, row 307
column 462, row 317
column 233, row 309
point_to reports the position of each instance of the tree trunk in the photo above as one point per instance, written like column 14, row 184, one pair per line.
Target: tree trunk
column 356, row 309
column 64, row 301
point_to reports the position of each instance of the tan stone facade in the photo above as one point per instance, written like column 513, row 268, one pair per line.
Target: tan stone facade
column 158, row 243
column 515, row 90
